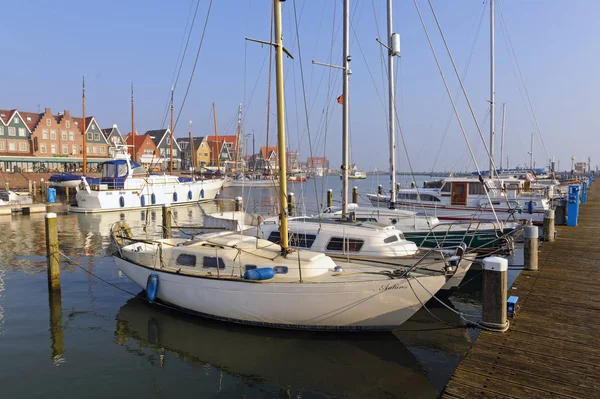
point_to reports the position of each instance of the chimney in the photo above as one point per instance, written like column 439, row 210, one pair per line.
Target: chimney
column 48, row 110
column 67, row 113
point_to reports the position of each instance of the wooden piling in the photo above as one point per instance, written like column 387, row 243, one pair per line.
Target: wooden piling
column 166, row 221
column 549, row 225
column 291, row 204
column 30, row 187
column 530, row 247
column 495, row 271
column 355, row 195
column 67, row 189
column 42, row 191
column 34, row 194
column 52, row 253
column 329, row 198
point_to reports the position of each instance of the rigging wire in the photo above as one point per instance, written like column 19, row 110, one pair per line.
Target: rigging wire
column 195, row 64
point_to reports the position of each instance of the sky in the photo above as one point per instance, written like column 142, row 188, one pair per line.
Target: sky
column 49, row 46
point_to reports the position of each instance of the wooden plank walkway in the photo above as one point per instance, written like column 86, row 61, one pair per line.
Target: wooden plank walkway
column 552, row 349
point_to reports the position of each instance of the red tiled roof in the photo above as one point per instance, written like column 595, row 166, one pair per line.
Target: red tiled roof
column 35, row 118
column 7, row 114
column 79, row 121
column 139, row 139
column 265, row 153
column 222, row 139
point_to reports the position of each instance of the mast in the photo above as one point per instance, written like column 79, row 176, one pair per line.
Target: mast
column 84, row 132
column 132, row 126
column 217, row 149
column 502, row 138
column 492, row 89
column 172, row 136
column 269, row 89
column 392, row 106
column 237, row 137
column 283, row 228
column 531, row 153
column 345, row 74
column 192, row 152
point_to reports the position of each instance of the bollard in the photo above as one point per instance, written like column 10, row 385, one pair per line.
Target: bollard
column 548, row 230
column 42, row 190
column 355, row 195
column 530, row 248
column 30, row 187
column 495, row 285
column 34, row 195
column 52, row 254
column 329, row 198
column 380, row 190
column 239, row 204
column 67, row 189
column 291, row 204
column 166, row 220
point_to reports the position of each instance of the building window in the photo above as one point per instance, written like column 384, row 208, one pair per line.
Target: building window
column 43, row 148
column 17, row 120
column 52, row 134
column 2, row 146
column 95, row 149
column 22, row 132
column 1, row 130
column 12, row 146
column 12, row 131
column 76, row 123
column 45, row 134
column 74, row 149
column 53, row 148
column 64, row 135
column 103, row 150
column 68, row 124
column 48, row 122
column 29, row 119
column 90, row 136
column 174, row 152
column 65, row 149
column 23, row 147
column 71, row 136
column 87, row 149
column 97, row 136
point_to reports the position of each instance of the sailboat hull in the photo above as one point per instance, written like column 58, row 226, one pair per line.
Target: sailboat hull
column 340, row 306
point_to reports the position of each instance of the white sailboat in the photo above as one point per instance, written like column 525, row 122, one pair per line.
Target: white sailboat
column 125, row 185
column 248, row 280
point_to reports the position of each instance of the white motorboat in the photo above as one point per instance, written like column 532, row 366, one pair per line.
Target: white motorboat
column 245, row 279
column 125, row 185
column 65, row 180
column 262, row 182
column 14, row 197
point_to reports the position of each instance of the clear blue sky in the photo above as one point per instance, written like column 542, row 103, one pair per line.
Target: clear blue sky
column 47, row 46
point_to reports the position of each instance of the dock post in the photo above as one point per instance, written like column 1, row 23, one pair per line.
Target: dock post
column 166, row 221
column 52, row 254
column 530, row 248
column 30, row 187
column 291, row 204
column 67, row 189
column 380, row 189
column 42, row 193
column 495, row 285
column 239, row 204
column 329, row 198
column 355, row 195
column 549, row 225
column 34, row 194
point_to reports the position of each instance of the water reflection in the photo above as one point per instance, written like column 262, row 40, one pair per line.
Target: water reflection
column 56, row 326
column 338, row 365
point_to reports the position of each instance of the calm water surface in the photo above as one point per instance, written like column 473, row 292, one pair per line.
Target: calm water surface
column 96, row 339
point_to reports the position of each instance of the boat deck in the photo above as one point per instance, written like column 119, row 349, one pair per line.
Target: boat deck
column 552, row 348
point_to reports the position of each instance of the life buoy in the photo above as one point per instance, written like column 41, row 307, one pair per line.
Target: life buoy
column 120, row 231
column 121, row 201
column 190, row 195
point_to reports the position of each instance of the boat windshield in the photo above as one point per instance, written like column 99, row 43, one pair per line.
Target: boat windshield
column 114, row 169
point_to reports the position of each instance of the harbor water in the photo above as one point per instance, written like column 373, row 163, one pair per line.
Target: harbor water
column 99, row 338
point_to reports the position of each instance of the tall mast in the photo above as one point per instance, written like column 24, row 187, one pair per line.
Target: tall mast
column 269, row 88
column 392, row 106
column 217, row 149
column 237, row 137
column 531, row 153
column 502, row 139
column 192, row 152
column 492, row 89
column 84, row 132
column 132, row 126
column 172, row 136
column 283, row 228
column 345, row 74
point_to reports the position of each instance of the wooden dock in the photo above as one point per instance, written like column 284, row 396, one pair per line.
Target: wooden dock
column 552, row 349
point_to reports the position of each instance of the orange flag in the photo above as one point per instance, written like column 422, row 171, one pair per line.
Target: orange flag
column 340, row 99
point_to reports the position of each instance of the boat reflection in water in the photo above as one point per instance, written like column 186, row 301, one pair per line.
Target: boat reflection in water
column 330, row 364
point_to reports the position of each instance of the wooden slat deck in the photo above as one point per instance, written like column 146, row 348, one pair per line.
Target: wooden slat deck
column 552, row 349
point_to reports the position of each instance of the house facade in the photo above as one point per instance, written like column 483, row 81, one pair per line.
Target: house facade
column 15, row 135
column 146, row 153
column 113, row 136
column 162, row 140
column 200, row 148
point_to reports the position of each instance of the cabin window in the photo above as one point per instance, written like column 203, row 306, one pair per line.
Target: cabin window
column 295, row 239
column 211, row 262
column 446, row 188
column 429, row 197
column 390, row 239
column 186, row 260
column 280, row 269
column 108, row 170
column 341, row 244
column 249, row 267
column 122, row 167
column 367, row 219
column 476, row 189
